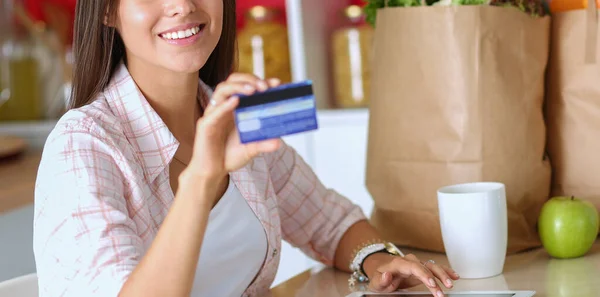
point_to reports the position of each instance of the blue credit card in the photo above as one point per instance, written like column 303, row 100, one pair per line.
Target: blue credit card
column 283, row 110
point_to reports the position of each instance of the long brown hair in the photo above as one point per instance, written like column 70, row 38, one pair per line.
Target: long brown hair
column 98, row 49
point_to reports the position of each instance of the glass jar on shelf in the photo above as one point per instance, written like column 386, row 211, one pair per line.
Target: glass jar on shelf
column 351, row 54
column 263, row 45
column 20, row 94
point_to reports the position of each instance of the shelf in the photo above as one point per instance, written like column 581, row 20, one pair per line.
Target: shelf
column 34, row 132
column 343, row 115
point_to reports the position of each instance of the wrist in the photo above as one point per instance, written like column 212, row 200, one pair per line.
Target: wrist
column 369, row 258
column 188, row 176
column 203, row 187
column 374, row 261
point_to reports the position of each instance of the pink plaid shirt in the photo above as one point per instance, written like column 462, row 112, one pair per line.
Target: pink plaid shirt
column 103, row 191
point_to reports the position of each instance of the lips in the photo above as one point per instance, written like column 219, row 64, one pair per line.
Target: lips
column 182, row 33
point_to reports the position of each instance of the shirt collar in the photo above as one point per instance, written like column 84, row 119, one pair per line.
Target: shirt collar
column 152, row 140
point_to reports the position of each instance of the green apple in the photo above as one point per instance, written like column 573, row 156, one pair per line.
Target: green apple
column 568, row 226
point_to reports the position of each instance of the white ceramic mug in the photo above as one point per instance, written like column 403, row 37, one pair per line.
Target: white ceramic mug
column 473, row 219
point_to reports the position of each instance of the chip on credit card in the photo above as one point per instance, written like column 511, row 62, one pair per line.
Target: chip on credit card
column 279, row 111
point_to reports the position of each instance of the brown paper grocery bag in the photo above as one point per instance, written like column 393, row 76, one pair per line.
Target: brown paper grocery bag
column 457, row 96
column 573, row 104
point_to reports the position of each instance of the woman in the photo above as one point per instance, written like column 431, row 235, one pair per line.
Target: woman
column 145, row 190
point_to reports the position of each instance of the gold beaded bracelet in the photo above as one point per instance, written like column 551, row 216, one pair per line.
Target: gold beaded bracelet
column 365, row 250
column 364, row 245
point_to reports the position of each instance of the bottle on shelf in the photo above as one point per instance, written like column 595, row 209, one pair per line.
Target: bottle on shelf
column 263, row 45
column 351, row 54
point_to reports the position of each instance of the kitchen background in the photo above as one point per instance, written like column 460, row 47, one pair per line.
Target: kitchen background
column 325, row 41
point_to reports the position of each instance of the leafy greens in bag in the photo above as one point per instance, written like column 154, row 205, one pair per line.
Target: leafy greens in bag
column 372, row 6
column 470, row 2
column 534, row 8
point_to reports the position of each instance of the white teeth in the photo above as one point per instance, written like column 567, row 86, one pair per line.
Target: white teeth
column 181, row 34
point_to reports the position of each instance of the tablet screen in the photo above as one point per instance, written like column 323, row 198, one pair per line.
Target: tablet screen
column 447, row 295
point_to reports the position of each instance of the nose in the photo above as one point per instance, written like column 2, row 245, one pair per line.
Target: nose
column 179, row 7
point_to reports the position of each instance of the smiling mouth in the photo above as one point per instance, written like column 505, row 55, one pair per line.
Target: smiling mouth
column 183, row 34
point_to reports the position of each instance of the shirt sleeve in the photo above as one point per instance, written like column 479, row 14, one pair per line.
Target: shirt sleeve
column 85, row 243
column 313, row 217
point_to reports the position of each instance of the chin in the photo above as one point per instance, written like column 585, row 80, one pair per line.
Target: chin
column 185, row 65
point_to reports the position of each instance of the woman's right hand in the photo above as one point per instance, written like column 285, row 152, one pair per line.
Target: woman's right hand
column 217, row 147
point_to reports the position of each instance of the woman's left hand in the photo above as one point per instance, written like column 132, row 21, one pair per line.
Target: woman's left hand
column 388, row 273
